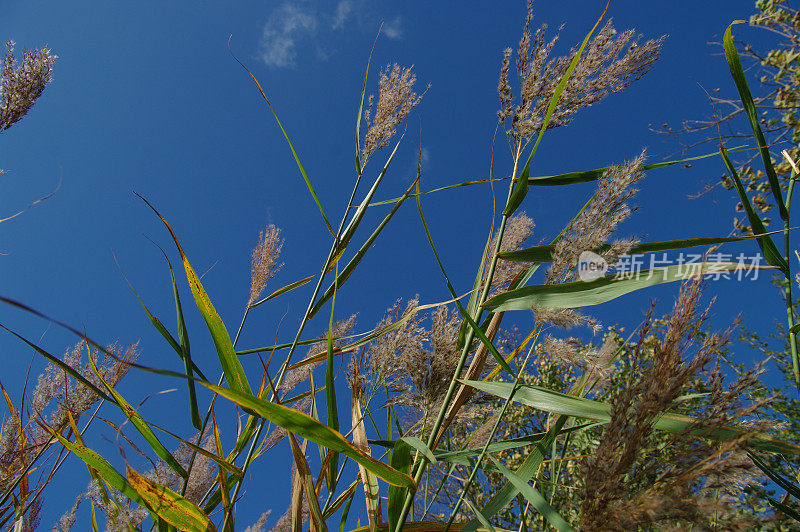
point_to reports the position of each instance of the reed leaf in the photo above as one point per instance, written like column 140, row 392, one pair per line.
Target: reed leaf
column 231, row 367
column 559, row 403
column 578, row 294
column 735, row 65
column 306, row 427
column 170, row 506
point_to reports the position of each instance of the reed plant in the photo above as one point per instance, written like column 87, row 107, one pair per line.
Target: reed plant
column 457, row 420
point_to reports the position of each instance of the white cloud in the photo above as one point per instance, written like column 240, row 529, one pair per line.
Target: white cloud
column 343, row 10
column 393, row 29
column 284, row 26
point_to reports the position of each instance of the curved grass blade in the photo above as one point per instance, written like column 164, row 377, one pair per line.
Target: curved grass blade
column 306, row 427
column 520, row 188
column 778, row 479
column 170, row 506
column 479, row 515
column 735, row 65
column 283, row 290
column 533, row 496
column 559, row 403
column 342, row 277
column 185, row 353
column 578, row 294
column 464, row 314
column 141, row 425
column 101, row 466
column 587, row 176
column 430, row 526
column 361, row 210
column 231, row 367
column 527, row 470
column 545, row 253
column 767, row 245
column 288, row 140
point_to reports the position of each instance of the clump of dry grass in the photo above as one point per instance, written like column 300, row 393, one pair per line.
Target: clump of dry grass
column 21, row 85
column 695, row 477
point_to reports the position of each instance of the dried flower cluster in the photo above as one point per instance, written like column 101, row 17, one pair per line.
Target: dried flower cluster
column 21, row 86
column 518, row 229
column 609, row 63
column 395, row 100
column 595, row 224
column 694, row 475
column 264, row 263
column 55, row 397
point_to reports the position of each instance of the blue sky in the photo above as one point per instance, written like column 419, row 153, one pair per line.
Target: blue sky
column 146, row 98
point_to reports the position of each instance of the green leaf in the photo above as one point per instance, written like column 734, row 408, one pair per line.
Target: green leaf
column 306, row 427
column 545, row 253
column 401, row 461
column 330, row 397
column 533, row 496
column 479, row 515
column 559, row 403
column 171, row 507
column 786, row 484
column 291, row 146
column 231, row 367
column 765, row 242
column 735, row 65
column 579, row 294
column 587, row 176
column 784, row 508
column 103, row 468
column 185, row 352
column 283, row 290
column 529, row 467
column 140, row 424
column 348, row 270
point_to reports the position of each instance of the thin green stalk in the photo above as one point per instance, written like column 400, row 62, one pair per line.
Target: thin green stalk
column 419, row 467
column 481, row 456
column 788, row 291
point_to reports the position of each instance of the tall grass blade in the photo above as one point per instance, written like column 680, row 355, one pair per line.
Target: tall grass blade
column 533, row 496
column 170, row 506
column 289, row 141
column 735, row 65
column 283, row 290
column 767, row 245
column 186, row 354
column 308, row 484
column 231, row 367
column 559, row 403
column 141, row 425
column 348, row 270
column 101, row 466
column 371, row 492
column 527, row 470
column 306, row 427
column 578, row 294
column 330, row 398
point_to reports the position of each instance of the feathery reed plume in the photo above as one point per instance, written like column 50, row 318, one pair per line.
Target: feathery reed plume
column 518, row 229
column 396, row 99
column 21, row 86
column 619, row 492
column 264, row 263
column 595, row 224
column 296, row 376
column 259, row 525
column 610, row 62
